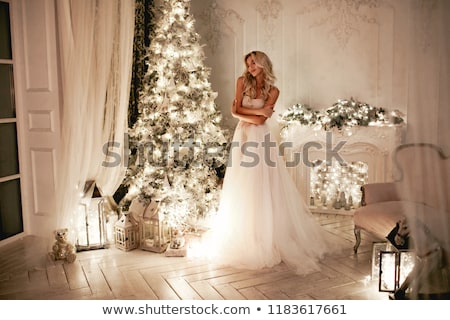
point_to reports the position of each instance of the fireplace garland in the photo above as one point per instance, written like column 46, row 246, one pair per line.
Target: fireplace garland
column 343, row 113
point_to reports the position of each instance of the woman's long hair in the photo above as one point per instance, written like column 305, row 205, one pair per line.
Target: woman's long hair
column 263, row 61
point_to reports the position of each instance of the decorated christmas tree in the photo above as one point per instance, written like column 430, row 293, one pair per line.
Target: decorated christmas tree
column 178, row 147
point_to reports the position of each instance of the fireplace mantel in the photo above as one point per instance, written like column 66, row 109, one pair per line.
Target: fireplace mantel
column 372, row 145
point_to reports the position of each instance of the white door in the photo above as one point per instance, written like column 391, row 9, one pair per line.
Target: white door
column 37, row 101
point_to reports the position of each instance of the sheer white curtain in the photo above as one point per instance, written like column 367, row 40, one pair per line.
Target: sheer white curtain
column 428, row 118
column 96, row 47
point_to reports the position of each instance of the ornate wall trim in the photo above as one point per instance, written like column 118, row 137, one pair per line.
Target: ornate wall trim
column 342, row 16
column 269, row 11
column 217, row 19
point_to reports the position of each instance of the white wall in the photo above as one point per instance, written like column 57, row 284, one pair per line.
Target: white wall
column 389, row 53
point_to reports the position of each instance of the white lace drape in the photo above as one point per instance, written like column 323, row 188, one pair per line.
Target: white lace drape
column 96, row 47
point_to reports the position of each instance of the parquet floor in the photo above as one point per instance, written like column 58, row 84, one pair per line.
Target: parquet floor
column 27, row 274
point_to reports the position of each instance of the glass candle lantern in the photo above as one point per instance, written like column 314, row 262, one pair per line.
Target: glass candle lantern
column 155, row 231
column 395, row 267
column 96, row 210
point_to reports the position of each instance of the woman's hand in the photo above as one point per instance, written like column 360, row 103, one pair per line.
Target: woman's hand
column 267, row 111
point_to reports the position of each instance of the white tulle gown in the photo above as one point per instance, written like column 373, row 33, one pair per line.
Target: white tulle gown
column 262, row 219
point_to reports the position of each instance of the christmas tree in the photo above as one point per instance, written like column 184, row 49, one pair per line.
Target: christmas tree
column 177, row 144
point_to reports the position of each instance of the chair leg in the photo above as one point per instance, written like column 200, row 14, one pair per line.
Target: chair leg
column 357, row 232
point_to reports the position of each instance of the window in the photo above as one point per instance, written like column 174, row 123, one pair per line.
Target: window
column 11, row 222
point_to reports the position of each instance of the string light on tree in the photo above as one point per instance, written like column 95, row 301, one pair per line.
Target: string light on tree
column 177, row 143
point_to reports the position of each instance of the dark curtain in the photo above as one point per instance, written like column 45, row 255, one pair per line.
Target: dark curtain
column 143, row 30
column 144, row 23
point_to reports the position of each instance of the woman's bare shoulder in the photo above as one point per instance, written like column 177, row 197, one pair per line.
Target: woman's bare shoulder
column 274, row 91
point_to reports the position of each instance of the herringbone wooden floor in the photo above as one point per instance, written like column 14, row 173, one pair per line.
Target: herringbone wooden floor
column 27, row 274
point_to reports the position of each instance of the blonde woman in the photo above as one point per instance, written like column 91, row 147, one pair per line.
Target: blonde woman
column 262, row 220
column 256, row 83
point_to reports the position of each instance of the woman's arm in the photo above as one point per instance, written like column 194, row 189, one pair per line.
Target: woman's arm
column 254, row 119
column 272, row 99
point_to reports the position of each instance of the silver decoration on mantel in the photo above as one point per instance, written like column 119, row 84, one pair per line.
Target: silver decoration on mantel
column 343, row 16
column 216, row 19
column 269, row 11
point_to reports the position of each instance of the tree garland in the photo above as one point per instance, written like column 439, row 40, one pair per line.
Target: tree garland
column 343, row 113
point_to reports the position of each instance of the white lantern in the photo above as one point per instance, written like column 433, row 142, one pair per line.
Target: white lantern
column 98, row 212
column 126, row 232
column 155, row 231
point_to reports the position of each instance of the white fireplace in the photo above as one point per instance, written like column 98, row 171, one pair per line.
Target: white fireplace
column 329, row 167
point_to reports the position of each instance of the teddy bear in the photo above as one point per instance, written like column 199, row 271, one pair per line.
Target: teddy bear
column 62, row 249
